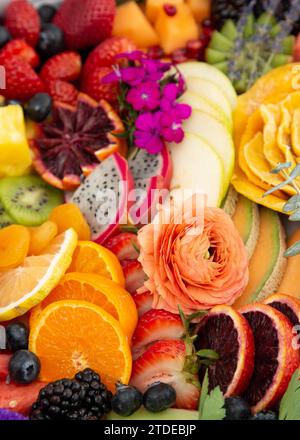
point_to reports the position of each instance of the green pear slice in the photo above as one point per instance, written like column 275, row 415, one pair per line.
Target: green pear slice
column 197, row 102
column 216, row 135
column 209, row 91
column 205, row 71
column 196, row 168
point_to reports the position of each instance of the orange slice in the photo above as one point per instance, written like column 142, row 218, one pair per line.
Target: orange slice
column 90, row 257
column 97, row 290
column 14, row 245
column 72, row 335
column 27, row 285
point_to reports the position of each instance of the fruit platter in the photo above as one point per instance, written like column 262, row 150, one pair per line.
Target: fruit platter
column 149, row 210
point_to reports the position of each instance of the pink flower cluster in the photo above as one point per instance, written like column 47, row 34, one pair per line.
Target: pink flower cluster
column 152, row 98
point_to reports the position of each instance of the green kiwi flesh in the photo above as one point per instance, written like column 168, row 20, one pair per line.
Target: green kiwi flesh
column 28, row 200
column 5, row 219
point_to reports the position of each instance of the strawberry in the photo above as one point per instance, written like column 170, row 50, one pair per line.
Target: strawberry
column 165, row 361
column 93, row 86
column 19, row 398
column 62, row 91
column 65, row 66
column 123, row 245
column 4, row 360
column 143, row 301
column 22, row 21
column 297, row 49
column 22, row 82
column 21, row 49
column 134, row 275
column 85, row 23
column 155, row 325
column 105, row 54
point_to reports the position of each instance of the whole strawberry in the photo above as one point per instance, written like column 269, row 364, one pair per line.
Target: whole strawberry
column 21, row 49
column 23, row 21
column 62, row 91
column 92, row 85
column 65, row 66
column 22, row 82
column 85, row 23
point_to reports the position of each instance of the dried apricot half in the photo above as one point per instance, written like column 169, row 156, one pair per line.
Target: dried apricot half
column 14, row 245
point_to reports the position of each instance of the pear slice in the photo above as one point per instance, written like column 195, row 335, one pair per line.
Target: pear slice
column 205, row 71
column 196, row 168
column 216, row 135
column 197, row 102
column 209, row 91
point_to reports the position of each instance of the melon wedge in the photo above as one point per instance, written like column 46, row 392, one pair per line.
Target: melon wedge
column 205, row 71
column 267, row 265
column 230, row 202
column 169, row 414
column 217, row 136
column 153, row 7
column 290, row 283
column 209, row 91
column 196, row 168
column 197, row 102
column 246, row 219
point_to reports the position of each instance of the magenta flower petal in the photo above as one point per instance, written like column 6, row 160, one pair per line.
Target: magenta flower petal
column 136, row 55
column 183, row 111
column 114, row 76
column 148, row 132
column 146, row 96
column 170, row 92
column 133, row 76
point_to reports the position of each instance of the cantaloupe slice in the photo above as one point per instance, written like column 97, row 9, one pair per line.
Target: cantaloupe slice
column 230, row 201
column 246, row 219
column 174, row 32
column 131, row 22
column 200, row 8
column 290, row 284
column 267, row 265
column 153, row 7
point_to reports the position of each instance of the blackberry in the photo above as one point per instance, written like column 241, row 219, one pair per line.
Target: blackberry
column 81, row 398
column 222, row 10
column 265, row 415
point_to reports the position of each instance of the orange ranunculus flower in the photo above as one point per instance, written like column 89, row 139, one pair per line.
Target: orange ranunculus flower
column 195, row 264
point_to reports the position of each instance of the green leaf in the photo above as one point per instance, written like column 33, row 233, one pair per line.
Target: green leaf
column 280, row 167
column 275, row 188
column 129, row 228
column 135, row 247
column 290, row 403
column 293, row 250
column 293, row 204
column 296, row 172
column 208, row 354
column 211, row 405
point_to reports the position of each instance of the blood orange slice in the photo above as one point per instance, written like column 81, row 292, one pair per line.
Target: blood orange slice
column 227, row 332
column 288, row 305
column 275, row 358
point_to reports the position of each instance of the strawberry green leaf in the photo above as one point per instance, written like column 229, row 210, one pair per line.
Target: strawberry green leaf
column 290, row 403
column 211, row 405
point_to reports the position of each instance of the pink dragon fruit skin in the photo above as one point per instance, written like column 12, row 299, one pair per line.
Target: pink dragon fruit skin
column 94, row 197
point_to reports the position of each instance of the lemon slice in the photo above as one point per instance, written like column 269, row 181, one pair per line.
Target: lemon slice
column 27, row 285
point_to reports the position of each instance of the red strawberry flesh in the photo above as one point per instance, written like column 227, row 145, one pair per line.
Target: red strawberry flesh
column 123, row 245
column 135, row 277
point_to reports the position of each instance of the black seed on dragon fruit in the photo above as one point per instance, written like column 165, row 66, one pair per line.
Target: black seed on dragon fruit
column 103, row 197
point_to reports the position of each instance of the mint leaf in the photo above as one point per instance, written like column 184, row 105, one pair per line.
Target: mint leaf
column 211, row 405
column 280, row 167
column 290, row 403
column 293, row 250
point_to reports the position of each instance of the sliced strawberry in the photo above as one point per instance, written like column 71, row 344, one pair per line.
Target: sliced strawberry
column 92, row 85
column 22, row 82
column 297, row 49
column 19, row 398
column 4, row 360
column 85, row 23
column 135, row 277
column 105, row 54
column 21, row 49
column 62, row 91
column 65, row 66
column 143, row 301
column 154, row 326
column 164, row 362
column 22, row 21
column 123, row 245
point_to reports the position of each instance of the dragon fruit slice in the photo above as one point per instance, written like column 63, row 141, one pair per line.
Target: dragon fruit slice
column 150, row 172
column 103, row 197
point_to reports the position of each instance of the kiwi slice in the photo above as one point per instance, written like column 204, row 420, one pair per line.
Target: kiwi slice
column 28, row 200
column 5, row 219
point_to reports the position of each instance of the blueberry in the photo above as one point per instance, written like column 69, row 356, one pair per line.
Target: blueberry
column 5, row 36
column 265, row 415
column 51, row 40
column 46, row 13
column 17, row 336
column 159, row 397
column 237, row 409
column 127, row 400
column 24, row 367
column 39, row 107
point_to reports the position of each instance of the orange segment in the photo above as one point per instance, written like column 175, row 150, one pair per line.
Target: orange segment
column 90, row 257
column 41, row 237
column 27, row 285
column 68, row 216
column 97, row 290
column 14, row 245
column 72, row 335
